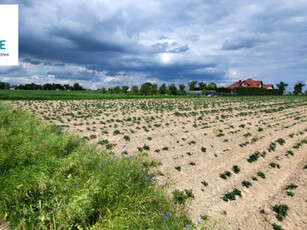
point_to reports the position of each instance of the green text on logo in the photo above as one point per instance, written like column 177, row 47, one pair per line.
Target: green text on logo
column 2, row 44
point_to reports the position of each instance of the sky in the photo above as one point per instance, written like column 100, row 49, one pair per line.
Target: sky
column 128, row 42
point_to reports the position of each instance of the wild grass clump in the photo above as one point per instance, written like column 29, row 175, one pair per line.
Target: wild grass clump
column 51, row 180
column 180, row 197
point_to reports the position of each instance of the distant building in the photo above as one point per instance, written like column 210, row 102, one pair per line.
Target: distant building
column 250, row 83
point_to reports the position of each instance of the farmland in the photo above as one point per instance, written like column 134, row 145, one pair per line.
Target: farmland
column 240, row 160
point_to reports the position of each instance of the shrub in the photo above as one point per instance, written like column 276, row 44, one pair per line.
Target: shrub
column 203, row 149
column 146, row 147
column 281, row 210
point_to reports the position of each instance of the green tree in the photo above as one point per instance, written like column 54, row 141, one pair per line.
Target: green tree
column 182, row 87
column 103, row 90
column 202, row 85
column 146, row 88
column 192, row 85
column 282, row 86
column 110, row 90
column 135, row 89
column 75, row 87
column 4, row 85
column 125, row 89
column 298, row 87
column 172, row 89
column 211, row 86
column 48, row 86
column 154, row 89
column 117, row 90
column 163, row 89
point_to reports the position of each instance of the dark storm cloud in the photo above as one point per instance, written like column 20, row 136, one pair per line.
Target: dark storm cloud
column 80, row 75
column 166, row 40
column 243, row 42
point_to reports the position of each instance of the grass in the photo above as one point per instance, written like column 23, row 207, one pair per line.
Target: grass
column 180, row 197
column 52, row 180
column 74, row 95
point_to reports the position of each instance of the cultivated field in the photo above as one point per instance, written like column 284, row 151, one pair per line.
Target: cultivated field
column 242, row 157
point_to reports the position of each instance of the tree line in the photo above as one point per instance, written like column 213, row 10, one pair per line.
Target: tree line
column 47, row 86
column 146, row 88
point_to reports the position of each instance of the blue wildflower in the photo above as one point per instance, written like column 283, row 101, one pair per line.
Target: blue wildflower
column 198, row 222
column 169, row 213
column 78, row 185
column 104, row 166
column 124, row 146
column 148, row 179
column 187, row 226
column 105, row 160
column 165, row 218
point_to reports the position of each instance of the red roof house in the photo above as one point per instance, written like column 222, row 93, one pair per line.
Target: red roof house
column 250, row 83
